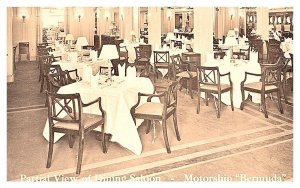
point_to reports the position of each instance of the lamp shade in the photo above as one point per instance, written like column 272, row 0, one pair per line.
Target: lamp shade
column 81, row 41
column 109, row 51
column 62, row 34
column 69, row 37
column 170, row 36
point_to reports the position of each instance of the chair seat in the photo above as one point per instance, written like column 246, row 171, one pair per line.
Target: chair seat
column 143, row 59
column 162, row 65
column 224, row 87
column 185, row 74
column 88, row 120
column 150, row 110
column 257, row 87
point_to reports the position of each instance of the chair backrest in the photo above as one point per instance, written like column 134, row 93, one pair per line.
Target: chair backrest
column 257, row 45
column 161, row 56
column 273, row 52
column 172, row 95
column 239, row 55
column 135, row 70
column 70, row 104
column 208, row 75
column 271, row 73
column 146, row 50
column 58, row 79
column 143, row 51
column 219, row 54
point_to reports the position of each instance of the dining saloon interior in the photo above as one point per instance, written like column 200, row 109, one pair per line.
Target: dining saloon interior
column 149, row 94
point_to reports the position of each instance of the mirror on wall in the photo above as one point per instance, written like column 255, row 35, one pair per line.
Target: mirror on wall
column 143, row 23
column 52, row 23
column 184, row 19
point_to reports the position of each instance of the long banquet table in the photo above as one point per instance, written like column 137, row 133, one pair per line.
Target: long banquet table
column 117, row 101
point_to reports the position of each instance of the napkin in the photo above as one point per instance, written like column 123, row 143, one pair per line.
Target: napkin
column 94, row 80
column 228, row 53
column 93, row 55
column 184, row 46
column 73, row 57
column 121, row 70
column 87, row 72
column 226, row 59
column 253, row 57
column 131, row 72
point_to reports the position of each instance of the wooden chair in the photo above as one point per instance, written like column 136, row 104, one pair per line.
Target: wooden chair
column 239, row 55
column 273, row 52
column 161, row 61
column 181, row 70
column 59, row 79
column 286, row 68
column 143, row 54
column 135, row 70
column 220, row 54
column 74, row 123
column 270, row 82
column 257, row 44
column 45, row 65
column 209, row 82
column 151, row 111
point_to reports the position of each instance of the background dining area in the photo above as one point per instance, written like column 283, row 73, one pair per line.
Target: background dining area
column 157, row 93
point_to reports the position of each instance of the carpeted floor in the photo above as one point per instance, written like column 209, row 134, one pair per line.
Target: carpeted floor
column 240, row 146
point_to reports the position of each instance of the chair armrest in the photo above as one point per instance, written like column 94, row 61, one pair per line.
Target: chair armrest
column 92, row 102
column 246, row 73
column 74, row 70
column 229, row 77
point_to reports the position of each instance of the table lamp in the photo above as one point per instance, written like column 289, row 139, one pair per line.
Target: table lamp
column 109, row 52
column 81, row 41
column 62, row 36
column 170, row 36
column 69, row 40
column 132, row 33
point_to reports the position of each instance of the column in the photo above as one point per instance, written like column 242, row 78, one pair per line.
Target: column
column 203, row 31
column 263, row 25
column 10, row 66
column 154, row 29
column 128, row 23
column 263, row 22
column 135, row 15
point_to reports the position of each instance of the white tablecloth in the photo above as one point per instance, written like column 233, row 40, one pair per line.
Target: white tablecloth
column 237, row 73
column 117, row 101
column 66, row 65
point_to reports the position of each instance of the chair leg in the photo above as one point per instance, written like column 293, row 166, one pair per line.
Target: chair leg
column 206, row 99
column 42, row 84
column 279, row 101
column 231, row 99
column 50, row 151
column 263, row 104
column 71, row 140
column 219, row 105
column 189, row 85
column 148, row 124
column 164, row 128
column 176, row 126
column 104, row 148
column 80, row 153
column 198, row 102
column 243, row 99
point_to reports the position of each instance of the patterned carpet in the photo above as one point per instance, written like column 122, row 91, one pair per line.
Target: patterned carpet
column 240, row 146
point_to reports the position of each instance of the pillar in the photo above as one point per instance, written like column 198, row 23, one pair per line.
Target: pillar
column 154, row 29
column 203, row 31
